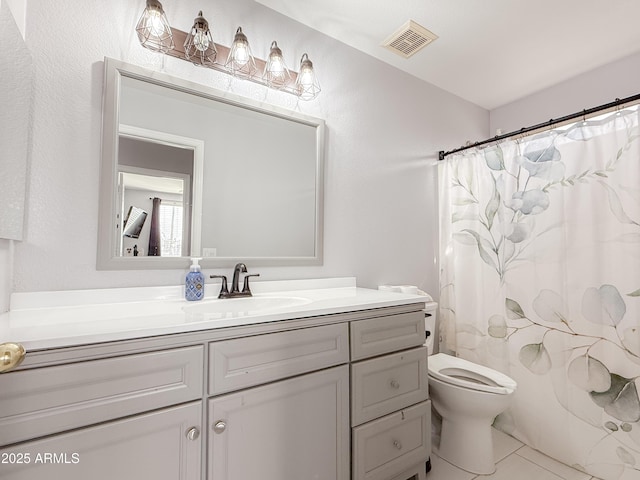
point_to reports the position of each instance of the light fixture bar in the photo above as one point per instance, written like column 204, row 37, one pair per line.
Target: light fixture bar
column 178, row 51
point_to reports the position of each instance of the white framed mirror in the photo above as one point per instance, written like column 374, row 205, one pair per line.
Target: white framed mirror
column 217, row 176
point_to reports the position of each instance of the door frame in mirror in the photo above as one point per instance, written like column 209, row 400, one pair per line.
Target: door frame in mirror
column 197, row 146
column 114, row 70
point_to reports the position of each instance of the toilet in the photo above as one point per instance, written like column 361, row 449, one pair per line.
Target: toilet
column 468, row 397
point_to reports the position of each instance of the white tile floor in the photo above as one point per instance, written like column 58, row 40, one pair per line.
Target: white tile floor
column 513, row 460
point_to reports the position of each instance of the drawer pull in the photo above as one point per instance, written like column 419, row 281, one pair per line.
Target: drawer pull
column 394, row 384
column 193, row 433
column 397, row 444
column 220, row 426
column 11, row 355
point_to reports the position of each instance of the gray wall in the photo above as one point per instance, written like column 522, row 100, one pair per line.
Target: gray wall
column 16, row 83
column 154, row 156
column 15, row 95
column 384, row 129
column 619, row 79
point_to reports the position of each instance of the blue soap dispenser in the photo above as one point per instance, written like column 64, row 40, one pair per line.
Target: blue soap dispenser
column 194, row 283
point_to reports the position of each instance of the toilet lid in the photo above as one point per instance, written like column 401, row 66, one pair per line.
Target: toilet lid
column 466, row 374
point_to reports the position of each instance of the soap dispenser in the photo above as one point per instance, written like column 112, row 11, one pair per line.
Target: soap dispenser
column 194, row 283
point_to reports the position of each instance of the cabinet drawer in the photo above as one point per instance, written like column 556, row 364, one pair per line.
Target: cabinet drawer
column 387, row 446
column 385, row 384
column 245, row 362
column 381, row 335
column 48, row 400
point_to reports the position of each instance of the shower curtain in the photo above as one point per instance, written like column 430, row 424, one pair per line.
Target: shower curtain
column 540, row 279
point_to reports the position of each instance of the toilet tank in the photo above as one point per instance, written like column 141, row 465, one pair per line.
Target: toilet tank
column 430, row 326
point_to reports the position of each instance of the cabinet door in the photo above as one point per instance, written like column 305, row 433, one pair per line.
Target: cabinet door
column 156, row 445
column 293, row 429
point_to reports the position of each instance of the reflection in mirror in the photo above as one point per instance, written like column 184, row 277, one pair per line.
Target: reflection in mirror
column 134, row 222
column 219, row 176
column 157, row 172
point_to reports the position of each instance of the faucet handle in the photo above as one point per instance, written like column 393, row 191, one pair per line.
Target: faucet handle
column 245, row 286
column 224, row 291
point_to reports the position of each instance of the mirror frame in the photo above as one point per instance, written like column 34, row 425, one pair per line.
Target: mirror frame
column 114, row 70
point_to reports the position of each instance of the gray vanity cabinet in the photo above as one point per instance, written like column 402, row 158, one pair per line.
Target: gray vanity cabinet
column 340, row 397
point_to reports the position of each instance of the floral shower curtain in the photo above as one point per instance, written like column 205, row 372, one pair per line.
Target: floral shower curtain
column 540, row 279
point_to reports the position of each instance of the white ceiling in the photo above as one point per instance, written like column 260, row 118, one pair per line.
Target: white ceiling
column 490, row 52
column 153, row 184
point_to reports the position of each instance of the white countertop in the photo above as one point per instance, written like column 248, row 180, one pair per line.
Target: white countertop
column 44, row 320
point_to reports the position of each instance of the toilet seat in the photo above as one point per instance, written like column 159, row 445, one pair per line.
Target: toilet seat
column 463, row 373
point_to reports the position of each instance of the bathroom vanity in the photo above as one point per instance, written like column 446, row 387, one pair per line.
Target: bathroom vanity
column 322, row 380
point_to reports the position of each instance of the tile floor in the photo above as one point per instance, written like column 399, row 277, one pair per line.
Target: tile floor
column 513, row 460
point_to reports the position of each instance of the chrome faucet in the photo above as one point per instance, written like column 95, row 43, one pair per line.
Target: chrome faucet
column 235, row 283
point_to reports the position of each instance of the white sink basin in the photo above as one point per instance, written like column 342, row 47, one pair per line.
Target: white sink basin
column 243, row 306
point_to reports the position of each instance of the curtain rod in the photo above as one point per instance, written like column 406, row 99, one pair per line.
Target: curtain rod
column 554, row 121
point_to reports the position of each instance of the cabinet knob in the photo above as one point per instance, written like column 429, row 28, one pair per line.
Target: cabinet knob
column 11, row 355
column 193, row 433
column 219, row 426
column 394, row 384
column 397, row 444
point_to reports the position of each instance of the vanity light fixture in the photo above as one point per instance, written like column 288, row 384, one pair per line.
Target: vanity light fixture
column 276, row 74
column 153, row 28
column 197, row 46
column 240, row 61
column 307, row 84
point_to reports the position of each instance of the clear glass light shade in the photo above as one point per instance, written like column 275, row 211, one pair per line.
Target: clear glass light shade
column 307, row 86
column 153, row 28
column 276, row 74
column 240, row 61
column 198, row 46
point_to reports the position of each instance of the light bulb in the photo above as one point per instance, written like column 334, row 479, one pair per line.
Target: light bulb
column 277, row 68
column 201, row 41
column 241, row 54
column 306, row 77
column 156, row 23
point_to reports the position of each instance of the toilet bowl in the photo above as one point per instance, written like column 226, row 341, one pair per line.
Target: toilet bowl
column 468, row 397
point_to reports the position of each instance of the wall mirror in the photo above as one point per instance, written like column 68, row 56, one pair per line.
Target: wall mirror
column 189, row 171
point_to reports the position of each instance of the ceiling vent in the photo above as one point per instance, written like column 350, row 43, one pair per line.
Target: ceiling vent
column 410, row 38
